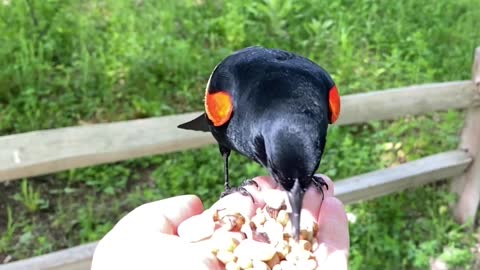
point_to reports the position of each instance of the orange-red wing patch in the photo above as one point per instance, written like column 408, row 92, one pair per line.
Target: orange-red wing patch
column 334, row 104
column 219, row 107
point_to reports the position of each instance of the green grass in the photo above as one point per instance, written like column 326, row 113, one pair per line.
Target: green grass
column 66, row 62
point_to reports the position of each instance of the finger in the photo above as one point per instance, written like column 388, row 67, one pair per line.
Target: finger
column 243, row 204
column 162, row 216
column 312, row 203
column 266, row 182
column 333, row 232
column 266, row 185
column 333, row 224
column 237, row 202
column 150, row 251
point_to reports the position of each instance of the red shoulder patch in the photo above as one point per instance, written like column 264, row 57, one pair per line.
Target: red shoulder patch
column 219, row 107
column 334, row 104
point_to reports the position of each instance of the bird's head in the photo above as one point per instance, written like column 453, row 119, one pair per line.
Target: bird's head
column 294, row 146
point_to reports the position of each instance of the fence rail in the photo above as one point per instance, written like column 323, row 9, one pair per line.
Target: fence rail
column 42, row 152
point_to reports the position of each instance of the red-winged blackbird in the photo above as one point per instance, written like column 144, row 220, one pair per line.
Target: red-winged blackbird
column 274, row 107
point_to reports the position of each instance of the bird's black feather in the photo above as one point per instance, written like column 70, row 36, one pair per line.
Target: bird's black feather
column 280, row 114
column 198, row 124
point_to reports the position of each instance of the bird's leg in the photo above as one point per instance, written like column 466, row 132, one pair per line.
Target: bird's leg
column 319, row 183
column 228, row 189
column 225, row 154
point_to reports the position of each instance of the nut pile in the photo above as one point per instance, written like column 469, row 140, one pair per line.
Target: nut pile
column 265, row 241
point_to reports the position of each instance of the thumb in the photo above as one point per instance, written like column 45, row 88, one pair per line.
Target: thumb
column 333, row 237
column 161, row 216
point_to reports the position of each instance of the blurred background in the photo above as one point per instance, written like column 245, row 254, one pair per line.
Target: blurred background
column 69, row 62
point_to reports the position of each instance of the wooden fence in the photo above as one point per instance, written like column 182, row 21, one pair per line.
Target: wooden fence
column 42, row 152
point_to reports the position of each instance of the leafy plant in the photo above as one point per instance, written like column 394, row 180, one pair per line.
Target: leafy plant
column 30, row 198
column 7, row 237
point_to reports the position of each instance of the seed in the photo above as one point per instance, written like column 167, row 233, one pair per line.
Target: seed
column 298, row 255
column 225, row 256
column 274, row 199
column 274, row 231
column 259, row 219
column 260, row 236
column 305, row 255
column 307, row 222
column 287, row 265
column 305, row 245
column 305, row 235
column 255, row 250
column 259, row 265
column 274, row 261
column 272, row 212
column 314, row 244
column 232, row 222
column 244, row 262
column 291, row 257
column 282, row 217
column 265, row 241
column 315, row 229
column 232, row 266
column 215, row 214
column 247, row 230
column 288, row 227
column 277, row 267
column 310, row 264
column 224, row 241
column 282, row 248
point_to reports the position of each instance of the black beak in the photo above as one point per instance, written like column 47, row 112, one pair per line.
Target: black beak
column 295, row 196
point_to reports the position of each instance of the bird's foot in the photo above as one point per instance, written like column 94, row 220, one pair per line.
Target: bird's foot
column 319, row 183
column 249, row 182
column 241, row 189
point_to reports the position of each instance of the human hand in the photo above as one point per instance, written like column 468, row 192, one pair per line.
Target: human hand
column 147, row 238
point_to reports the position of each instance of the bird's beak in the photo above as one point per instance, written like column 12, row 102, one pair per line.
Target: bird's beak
column 295, row 197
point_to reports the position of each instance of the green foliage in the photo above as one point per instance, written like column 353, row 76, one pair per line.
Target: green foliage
column 109, row 179
column 30, row 198
column 7, row 237
column 90, row 224
column 388, row 233
column 68, row 62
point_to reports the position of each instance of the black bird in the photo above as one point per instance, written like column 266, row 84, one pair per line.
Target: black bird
column 274, row 107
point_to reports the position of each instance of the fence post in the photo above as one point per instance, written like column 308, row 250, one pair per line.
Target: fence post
column 468, row 184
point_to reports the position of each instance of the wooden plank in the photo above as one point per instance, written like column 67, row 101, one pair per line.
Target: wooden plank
column 413, row 100
column 41, row 152
column 361, row 187
column 468, row 184
column 76, row 258
column 419, row 172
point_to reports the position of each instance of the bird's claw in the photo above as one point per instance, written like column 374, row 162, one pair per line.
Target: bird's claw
column 249, row 182
column 319, row 183
column 241, row 189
